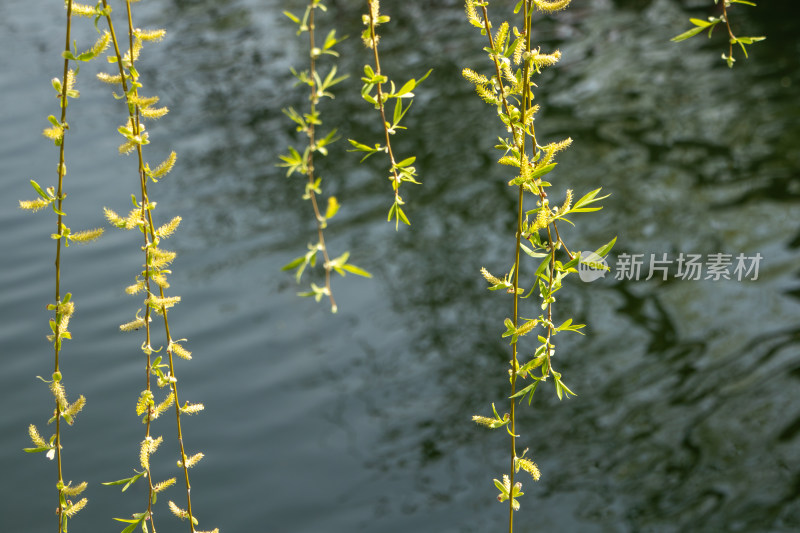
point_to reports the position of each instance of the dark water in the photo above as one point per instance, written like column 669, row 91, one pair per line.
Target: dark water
column 688, row 416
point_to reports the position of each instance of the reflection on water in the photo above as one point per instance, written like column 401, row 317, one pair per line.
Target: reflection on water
column 686, row 418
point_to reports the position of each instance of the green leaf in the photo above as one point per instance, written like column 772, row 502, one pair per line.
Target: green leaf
column 36, row 450
column 130, row 528
column 531, row 253
column 587, row 199
column 356, row 270
column 702, row 23
column 364, row 148
column 39, row 190
column 405, row 90
column 292, row 17
column 530, row 389
column 510, row 331
column 606, row 248
column 331, row 79
column 294, row 263
column 542, row 266
column 425, row 76
column 360, row 147
column 406, row 162
column 561, row 389
column 398, row 111
column 127, row 482
column 536, row 173
column 568, row 326
column 402, row 216
column 333, row 207
column 749, row 40
column 687, row 34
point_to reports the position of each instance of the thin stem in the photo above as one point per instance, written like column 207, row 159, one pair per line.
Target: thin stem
column 310, row 159
column 149, row 239
column 133, row 112
column 520, row 215
column 520, row 141
column 374, row 39
column 59, row 200
column 731, row 36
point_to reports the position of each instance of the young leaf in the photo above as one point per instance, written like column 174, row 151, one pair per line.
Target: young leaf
column 356, row 270
column 333, row 207
column 687, row 34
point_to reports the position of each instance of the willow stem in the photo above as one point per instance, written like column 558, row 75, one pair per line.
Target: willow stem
column 310, row 160
column 59, row 201
column 374, row 39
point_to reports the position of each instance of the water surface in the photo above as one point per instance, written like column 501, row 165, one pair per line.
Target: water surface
column 687, row 416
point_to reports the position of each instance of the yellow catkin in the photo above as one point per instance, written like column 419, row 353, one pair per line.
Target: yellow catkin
column 474, row 77
column 101, row 43
column 191, row 461
column 483, row 420
column 148, row 447
column 154, row 112
column 552, row 6
column 54, row 133
column 487, row 95
column 82, row 10
column 567, row 203
column 490, row 278
column 36, row 437
column 86, row 235
column 70, row 79
column 150, row 35
column 144, row 402
column 137, row 48
column 58, row 391
column 163, row 168
column 161, row 258
column 108, row 78
column 168, row 229
column 74, row 491
column 34, row 205
column 132, row 325
column 142, row 101
column 545, row 60
column 158, row 487
column 177, row 511
column 75, row 407
column 180, row 351
column 518, row 51
column 135, row 288
column 134, row 219
column 192, row 408
column 73, row 509
column 526, row 327
column 530, row 467
column 163, row 406
column 472, row 14
column 113, row 218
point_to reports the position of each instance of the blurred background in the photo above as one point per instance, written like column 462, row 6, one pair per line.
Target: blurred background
column 687, row 416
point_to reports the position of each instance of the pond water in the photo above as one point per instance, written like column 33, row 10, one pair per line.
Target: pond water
column 687, row 416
